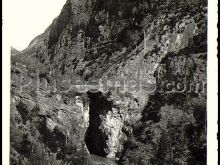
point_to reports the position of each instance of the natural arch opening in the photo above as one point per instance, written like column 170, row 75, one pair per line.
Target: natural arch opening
column 95, row 137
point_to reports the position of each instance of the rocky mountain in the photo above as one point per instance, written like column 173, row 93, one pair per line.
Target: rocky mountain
column 113, row 82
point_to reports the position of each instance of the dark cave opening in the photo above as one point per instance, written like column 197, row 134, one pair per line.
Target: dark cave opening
column 95, row 138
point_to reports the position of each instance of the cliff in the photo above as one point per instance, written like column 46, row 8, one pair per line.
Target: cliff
column 113, row 82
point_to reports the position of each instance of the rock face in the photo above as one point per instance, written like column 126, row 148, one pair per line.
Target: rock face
column 113, row 82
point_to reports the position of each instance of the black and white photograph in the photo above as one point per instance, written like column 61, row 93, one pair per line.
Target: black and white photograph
column 111, row 82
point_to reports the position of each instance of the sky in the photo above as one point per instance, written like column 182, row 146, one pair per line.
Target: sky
column 29, row 18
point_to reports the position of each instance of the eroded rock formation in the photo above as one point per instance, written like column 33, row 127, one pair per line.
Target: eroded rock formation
column 113, row 82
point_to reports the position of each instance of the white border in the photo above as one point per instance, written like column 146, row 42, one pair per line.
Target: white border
column 5, row 83
column 212, row 83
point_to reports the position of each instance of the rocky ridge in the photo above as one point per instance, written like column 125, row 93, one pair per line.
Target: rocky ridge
column 162, row 43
